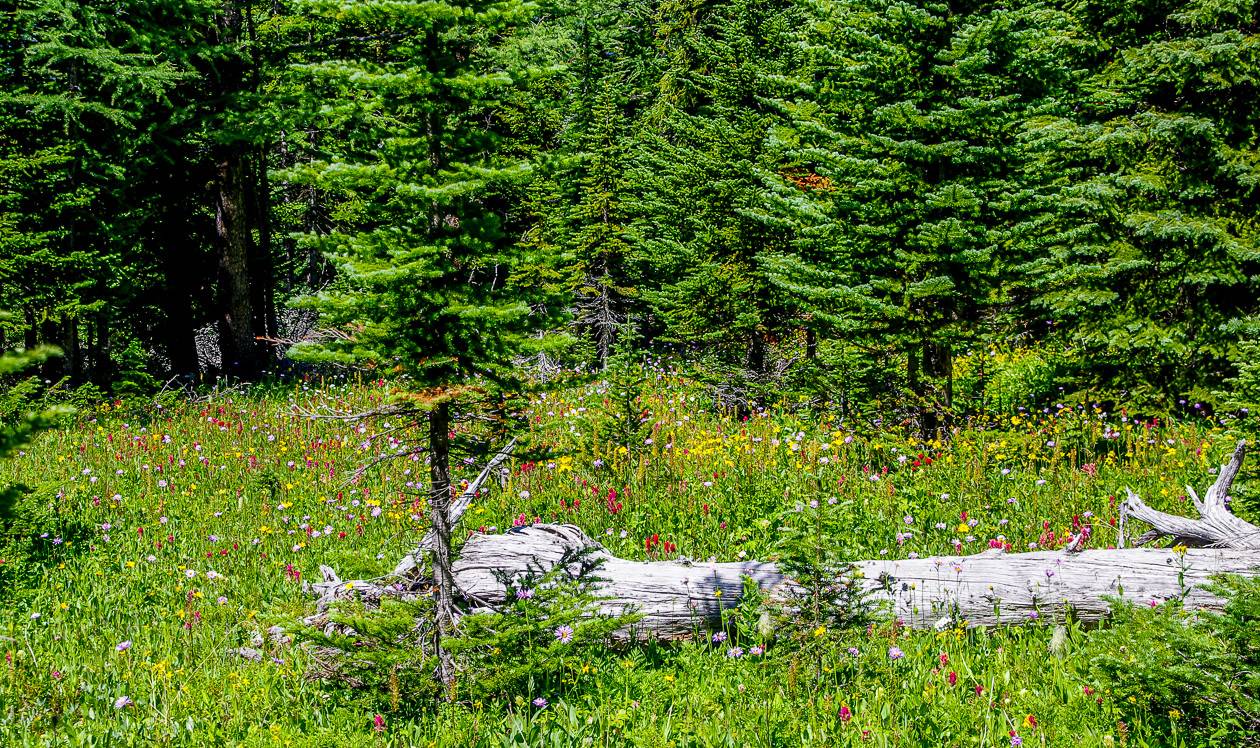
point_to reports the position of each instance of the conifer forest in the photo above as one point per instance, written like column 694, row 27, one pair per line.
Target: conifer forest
column 658, row 373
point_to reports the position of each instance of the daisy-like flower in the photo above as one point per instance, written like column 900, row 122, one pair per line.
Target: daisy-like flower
column 564, row 634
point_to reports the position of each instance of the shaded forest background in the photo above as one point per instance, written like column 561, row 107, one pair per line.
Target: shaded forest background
column 950, row 205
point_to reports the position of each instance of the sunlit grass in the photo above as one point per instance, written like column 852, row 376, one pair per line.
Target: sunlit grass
column 184, row 533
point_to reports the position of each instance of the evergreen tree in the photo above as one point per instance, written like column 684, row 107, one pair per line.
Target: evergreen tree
column 900, row 168
column 698, row 170
column 1149, row 245
column 425, row 243
column 78, row 83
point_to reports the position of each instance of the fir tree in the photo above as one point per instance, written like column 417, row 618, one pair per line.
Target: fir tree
column 1148, row 245
column 426, row 247
column 698, row 170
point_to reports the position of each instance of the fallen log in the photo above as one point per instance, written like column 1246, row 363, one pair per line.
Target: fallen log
column 1217, row 526
column 677, row 599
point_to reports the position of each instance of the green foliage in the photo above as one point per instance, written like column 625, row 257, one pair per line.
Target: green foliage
column 698, row 171
column 1196, row 674
column 1241, row 393
column 1004, row 379
column 22, row 522
column 626, row 426
column 423, row 239
column 828, row 598
column 1145, row 241
column 380, row 652
column 550, row 628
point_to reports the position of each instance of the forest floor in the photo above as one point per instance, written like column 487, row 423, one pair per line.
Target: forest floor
column 187, row 531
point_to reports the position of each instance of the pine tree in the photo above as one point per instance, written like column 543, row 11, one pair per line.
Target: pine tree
column 1148, row 235
column 425, row 244
column 899, row 170
column 581, row 119
column 698, row 170
column 78, row 83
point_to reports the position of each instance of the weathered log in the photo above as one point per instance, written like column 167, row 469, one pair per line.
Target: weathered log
column 1217, row 526
column 677, row 599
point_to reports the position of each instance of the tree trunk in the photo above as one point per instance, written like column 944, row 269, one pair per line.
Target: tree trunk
column 237, row 346
column 1217, row 525
column 440, row 517
column 102, row 362
column 678, row 599
column 72, row 358
column 262, row 265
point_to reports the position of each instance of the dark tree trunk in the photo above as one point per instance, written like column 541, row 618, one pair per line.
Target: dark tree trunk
column 30, row 334
column 102, row 364
column 938, row 380
column 72, row 360
column 757, row 353
column 178, row 323
column 262, row 265
column 237, row 346
column 439, row 515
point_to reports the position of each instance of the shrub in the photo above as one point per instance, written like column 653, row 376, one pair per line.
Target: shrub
column 1195, row 674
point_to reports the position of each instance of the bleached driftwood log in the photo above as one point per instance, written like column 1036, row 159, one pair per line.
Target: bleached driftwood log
column 1217, row 526
column 676, row 599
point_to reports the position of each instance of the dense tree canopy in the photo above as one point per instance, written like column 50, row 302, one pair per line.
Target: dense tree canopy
column 855, row 198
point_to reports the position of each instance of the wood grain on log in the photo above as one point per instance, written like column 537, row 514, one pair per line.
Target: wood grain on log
column 677, row 599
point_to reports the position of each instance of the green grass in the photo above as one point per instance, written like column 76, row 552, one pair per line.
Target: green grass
column 190, row 561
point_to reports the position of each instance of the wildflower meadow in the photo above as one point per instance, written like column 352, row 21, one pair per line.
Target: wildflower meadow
column 160, row 606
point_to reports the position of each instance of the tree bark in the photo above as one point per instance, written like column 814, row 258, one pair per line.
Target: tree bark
column 1217, row 526
column 440, row 517
column 262, row 264
column 678, row 599
column 237, row 347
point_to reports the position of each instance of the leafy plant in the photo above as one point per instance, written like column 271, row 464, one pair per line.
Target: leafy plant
column 1195, row 674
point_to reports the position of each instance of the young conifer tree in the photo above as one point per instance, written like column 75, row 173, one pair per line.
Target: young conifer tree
column 423, row 232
